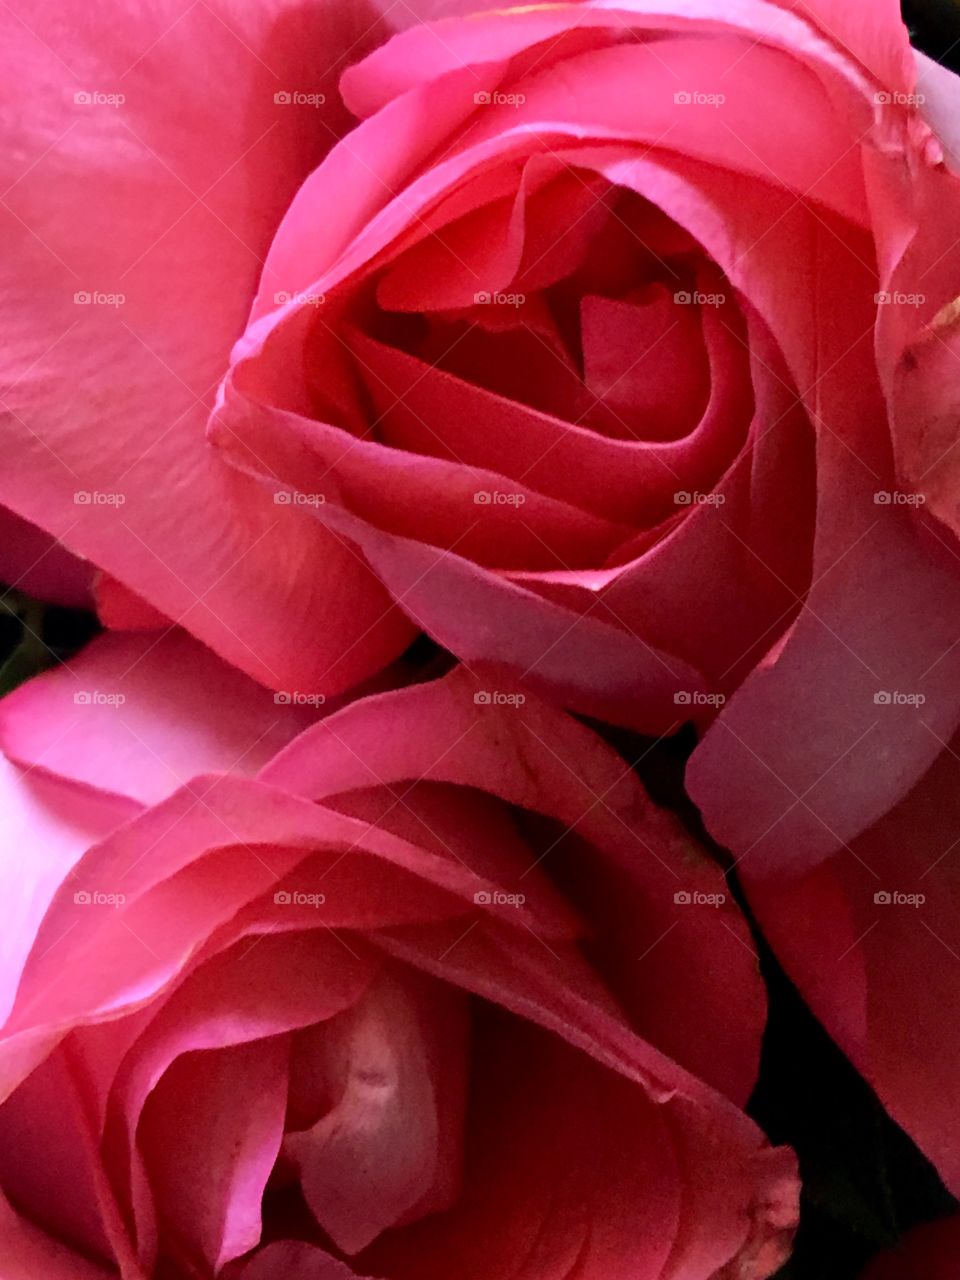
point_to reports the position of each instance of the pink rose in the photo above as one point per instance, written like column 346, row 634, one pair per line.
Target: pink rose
column 623, row 479
column 575, row 345
column 430, row 991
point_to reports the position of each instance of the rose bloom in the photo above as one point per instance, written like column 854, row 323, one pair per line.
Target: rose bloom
column 615, row 348
column 569, row 354
column 434, row 990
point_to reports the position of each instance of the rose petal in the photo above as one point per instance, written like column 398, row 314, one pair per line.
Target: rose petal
column 871, row 938
column 26, row 1253
column 210, row 1134
column 637, row 856
column 79, row 177
column 704, row 1230
column 139, row 715
column 57, row 824
column 388, row 1149
column 260, row 989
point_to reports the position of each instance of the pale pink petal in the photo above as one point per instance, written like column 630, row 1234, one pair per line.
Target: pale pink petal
column 140, row 714
column 210, row 1136
column 388, row 1149
column 171, row 212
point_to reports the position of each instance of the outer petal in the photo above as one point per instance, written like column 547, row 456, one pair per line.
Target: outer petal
column 871, row 937
column 871, row 31
column 698, row 1226
column 156, row 221
column 57, row 825
column 140, row 715
column 639, row 873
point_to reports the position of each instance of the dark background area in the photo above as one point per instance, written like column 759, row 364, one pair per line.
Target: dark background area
column 935, row 28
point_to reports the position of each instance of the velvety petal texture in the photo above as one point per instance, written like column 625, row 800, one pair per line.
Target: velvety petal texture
column 135, row 236
column 337, row 1017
